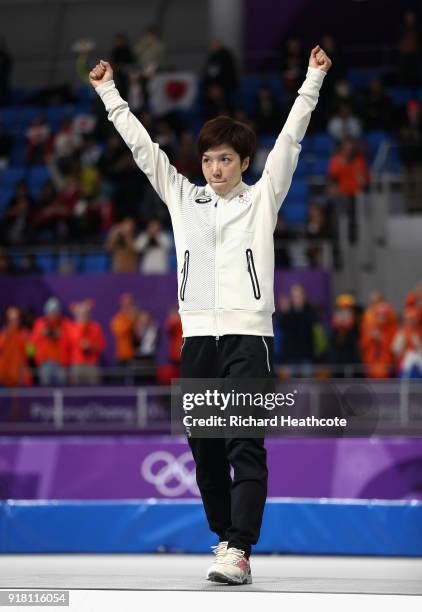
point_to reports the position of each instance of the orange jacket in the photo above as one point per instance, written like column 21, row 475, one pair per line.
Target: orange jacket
column 14, row 369
column 379, row 326
column 351, row 175
column 122, row 326
column 87, row 342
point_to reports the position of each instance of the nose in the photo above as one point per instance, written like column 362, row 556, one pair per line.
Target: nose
column 216, row 168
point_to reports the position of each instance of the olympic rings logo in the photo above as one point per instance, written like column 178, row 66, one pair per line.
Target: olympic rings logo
column 171, row 476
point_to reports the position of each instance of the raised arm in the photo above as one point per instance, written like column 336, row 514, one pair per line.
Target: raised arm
column 167, row 182
column 282, row 160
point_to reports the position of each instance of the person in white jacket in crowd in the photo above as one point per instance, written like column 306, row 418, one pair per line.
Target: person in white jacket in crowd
column 225, row 252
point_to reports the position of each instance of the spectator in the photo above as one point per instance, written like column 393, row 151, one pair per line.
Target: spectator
column 16, row 224
column 344, row 124
column 64, row 145
column 37, row 141
column 146, row 336
column 216, row 102
column 5, row 147
column 122, row 59
column 120, row 242
column 378, row 329
column 153, row 245
column 149, row 51
column 377, row 107
column 220, row 68
column 344, row 336
column 317, row 229
column 293, row 64
column 51, row 339
column 6, row 64
column 173, row 327
column 14, row 339
column 407, row 345
column 87, row 343
column 267, row 116
column 59, row 215
column 350, row 174
column 6, row 265
column 409, row 48
column 297, row 319
column 187, row 160
column 410, row 150
column 29, row 265
column 123, row 329
column 282, row 234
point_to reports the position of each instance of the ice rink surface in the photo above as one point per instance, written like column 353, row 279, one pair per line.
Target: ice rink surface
column 177, row 572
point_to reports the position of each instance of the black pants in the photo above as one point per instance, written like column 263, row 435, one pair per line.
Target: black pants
column 234, row 507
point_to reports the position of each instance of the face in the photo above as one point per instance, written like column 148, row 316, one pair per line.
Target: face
column 222, row 168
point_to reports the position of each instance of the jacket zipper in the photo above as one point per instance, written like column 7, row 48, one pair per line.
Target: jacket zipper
column 216, row 279
column 185, row 271
column 252, row 274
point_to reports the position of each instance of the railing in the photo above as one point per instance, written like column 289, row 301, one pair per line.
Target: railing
column 387, row 407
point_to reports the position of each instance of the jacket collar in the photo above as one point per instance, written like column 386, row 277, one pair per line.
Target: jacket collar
column 241, row 186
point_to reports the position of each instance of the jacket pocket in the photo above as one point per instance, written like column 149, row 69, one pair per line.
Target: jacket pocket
column 185, row 272
column 252, row 274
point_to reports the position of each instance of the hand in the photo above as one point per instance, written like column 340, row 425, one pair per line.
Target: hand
column 319, row 59
column 102, row 73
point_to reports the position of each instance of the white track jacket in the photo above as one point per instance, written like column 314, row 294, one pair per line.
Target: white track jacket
column 224, row 244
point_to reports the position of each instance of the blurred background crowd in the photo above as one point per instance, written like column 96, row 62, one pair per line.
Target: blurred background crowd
column 72, row 200
column 65, row 344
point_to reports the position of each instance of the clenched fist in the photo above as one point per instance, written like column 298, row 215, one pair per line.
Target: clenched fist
column 102, row 73
column 319, row 59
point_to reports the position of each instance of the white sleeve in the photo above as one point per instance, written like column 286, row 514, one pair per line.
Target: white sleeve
column 282, row 160
column 167, row 182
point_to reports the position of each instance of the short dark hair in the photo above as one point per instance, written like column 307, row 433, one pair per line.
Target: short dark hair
column 225, row 130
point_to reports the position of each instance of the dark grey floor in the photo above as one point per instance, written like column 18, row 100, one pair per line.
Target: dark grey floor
column 276, row 573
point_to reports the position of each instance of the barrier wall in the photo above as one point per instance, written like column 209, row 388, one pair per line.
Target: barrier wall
column 128, row 494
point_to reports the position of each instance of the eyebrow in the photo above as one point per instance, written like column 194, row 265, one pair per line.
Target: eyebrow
column 224, row 154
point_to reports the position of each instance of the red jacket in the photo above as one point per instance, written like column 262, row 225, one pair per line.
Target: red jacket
column 52, row 341
column 87, row 343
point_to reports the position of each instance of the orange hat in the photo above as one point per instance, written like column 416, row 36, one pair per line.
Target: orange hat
column 345, row 300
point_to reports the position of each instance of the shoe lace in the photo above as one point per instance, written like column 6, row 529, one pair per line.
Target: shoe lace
column 220, row 549
column 233, row 555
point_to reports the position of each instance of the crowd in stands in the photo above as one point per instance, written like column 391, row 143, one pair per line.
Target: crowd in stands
column 56, row 348
column 69, row 178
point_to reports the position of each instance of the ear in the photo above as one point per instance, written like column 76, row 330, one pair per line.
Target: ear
column 245, row 164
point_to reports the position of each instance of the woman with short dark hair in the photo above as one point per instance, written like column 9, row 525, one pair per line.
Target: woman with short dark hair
column 225, row 252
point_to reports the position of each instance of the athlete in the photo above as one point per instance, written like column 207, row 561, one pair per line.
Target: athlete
column 225, row 253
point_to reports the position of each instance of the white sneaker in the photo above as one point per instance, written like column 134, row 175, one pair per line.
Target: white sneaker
column 232, row 568
column 219, row 551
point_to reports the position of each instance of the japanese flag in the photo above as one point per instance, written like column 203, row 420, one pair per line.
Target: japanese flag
column 172, row 91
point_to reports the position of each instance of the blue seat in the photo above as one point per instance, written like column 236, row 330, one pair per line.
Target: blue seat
column 47, row 263
column 9, row 117
column 27, row 114
column 18, row 153
column 38, row 174
column 173, row 261
column 319, row 166
column 400, row 95
column 321, row 144
column 10, row 176
column 299, row 189
column 375, row 137
column 294, row 213
column 6, row 194
column 55, row 115
column 98, row 262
